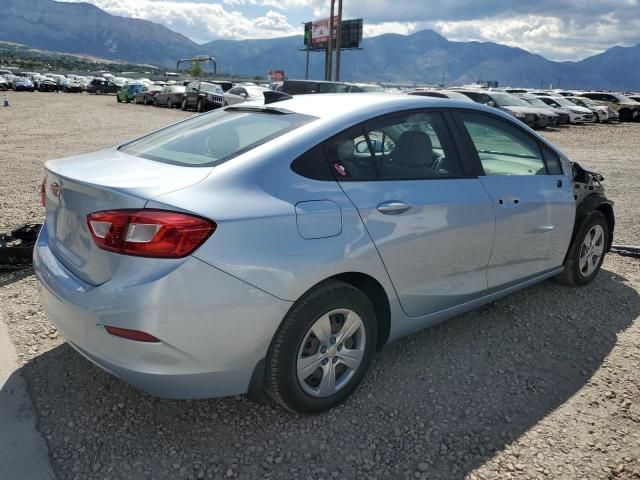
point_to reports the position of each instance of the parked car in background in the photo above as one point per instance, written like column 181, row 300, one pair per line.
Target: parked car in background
column 364, row 88
column 303, row 87
column 101, row 86
column 276, row 249
column 10, row 78
column 48, row 85
column 71, row 86
column 22, row 84
column 628, row 110
column 508, row 103
column 244, row 93
column 226, row 86
column 57, row 78
column 147, row 94
column 202, row 96
column 564, row 115
column 602, row 113
column 4, row 85
column 128, row 92
column 577, row 114
column 428, row 92
column 170, row 96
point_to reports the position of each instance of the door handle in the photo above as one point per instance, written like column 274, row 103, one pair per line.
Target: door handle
column 509, row 201
column 393, row 208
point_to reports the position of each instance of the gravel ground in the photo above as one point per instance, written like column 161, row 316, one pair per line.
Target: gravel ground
column 542, row 384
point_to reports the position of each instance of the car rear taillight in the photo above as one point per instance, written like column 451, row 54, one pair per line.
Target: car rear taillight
column 136, row 335
column 149, row 233
column 43, row 192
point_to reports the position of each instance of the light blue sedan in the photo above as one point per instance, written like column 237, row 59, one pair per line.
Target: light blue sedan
column 274, row 247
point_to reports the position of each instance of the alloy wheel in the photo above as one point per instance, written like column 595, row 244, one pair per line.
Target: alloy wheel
column 591, row 250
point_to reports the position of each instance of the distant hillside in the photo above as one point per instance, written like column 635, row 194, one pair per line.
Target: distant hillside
column 28, row 58
column 83, row 28
column 424, row 57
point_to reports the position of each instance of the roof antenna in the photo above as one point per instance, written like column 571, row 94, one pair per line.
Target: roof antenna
column 272, row 96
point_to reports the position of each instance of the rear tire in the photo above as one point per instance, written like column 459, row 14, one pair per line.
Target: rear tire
column 169, row 103
column 322, row 349
column 199, row 106
column 184, row 104
column 587, row 251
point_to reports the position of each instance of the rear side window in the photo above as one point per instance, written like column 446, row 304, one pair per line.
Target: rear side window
column 503, row 149
column 211, row 139
column 313, row 164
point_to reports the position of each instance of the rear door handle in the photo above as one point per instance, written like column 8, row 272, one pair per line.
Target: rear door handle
column 393, row 208
column 509, row 201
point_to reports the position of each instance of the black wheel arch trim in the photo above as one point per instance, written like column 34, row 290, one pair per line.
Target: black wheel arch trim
column 590, row 204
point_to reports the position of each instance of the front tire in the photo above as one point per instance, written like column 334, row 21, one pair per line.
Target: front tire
column 200, row 107
column 184, row 105
column 323, row 349
column 587, row 251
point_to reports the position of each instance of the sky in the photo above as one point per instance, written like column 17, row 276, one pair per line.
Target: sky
column 556, row 29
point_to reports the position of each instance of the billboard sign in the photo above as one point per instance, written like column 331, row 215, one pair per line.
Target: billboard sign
column 320, row 30
column 316, row 34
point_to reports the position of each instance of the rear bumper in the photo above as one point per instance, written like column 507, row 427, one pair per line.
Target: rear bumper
column 213, row 328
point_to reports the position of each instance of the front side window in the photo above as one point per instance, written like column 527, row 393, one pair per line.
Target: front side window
column 503, row 149
column 409, row 146
column 212, row 139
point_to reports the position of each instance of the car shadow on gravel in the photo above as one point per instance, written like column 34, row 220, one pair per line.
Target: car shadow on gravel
column 9, row 277
column 439, row 403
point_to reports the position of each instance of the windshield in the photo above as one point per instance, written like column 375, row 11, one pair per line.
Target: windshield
column 506, row 100
column 536, row 102
column 211, row 139
column 623, row 98
column 255, row 91
column 563, row 101
column 583, row 102
column 211, row 88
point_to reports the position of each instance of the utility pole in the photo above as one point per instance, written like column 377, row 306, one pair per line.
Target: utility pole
column 307, row 37
column 329, row 74
column 338, row 40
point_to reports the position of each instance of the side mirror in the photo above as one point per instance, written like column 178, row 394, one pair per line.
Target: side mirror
column 362, row 146
column 244, row 95
column 491, row 103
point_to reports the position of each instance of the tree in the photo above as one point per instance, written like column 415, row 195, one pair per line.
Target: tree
column 195, row 70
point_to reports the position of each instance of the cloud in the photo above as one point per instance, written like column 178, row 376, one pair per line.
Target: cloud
column 557, row 29
column 203, row 22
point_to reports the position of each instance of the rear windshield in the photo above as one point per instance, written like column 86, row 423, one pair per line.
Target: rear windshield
column 212, row 139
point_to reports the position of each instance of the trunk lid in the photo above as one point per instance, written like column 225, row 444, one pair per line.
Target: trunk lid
column 105, row 180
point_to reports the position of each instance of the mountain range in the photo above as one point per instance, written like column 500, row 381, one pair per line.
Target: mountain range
column 424, row 57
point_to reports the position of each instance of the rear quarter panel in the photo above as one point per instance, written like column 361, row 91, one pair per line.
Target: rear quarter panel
column 253, row 201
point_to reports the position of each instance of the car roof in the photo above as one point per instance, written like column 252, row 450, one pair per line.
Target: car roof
column 366, row 105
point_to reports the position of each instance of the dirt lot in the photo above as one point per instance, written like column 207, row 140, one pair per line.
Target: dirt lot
column 543, row 384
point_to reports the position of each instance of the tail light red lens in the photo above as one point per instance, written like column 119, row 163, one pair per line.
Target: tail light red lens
column 136, row 335
column 43, row 192
column 149, row 233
